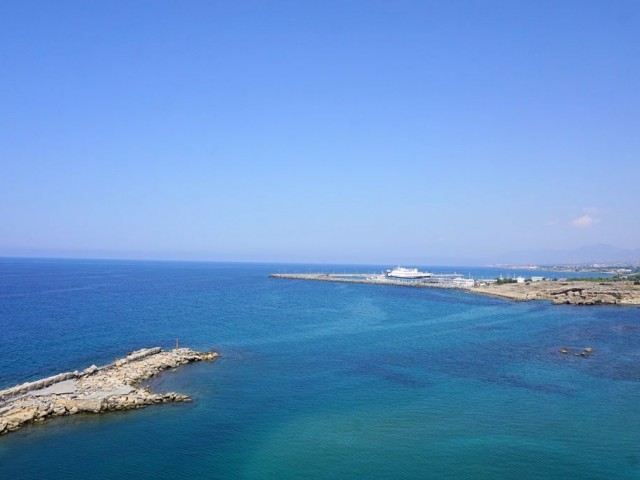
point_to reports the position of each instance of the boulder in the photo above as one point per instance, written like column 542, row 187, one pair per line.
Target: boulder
column 59, row 410
column 21, row 415
column 92, row 406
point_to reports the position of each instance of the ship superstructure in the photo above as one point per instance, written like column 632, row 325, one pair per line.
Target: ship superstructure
column 401, row 272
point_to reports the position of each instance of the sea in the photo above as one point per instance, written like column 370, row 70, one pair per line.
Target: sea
column 321, row 380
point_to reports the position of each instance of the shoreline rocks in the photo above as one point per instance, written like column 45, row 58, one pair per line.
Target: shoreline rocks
column 569, row 293
column 96, row 389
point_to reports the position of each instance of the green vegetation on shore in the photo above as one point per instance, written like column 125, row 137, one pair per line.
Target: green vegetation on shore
column 594, row 279
column 630, row 278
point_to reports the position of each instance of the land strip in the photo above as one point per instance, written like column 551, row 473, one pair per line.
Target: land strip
column 116, row 386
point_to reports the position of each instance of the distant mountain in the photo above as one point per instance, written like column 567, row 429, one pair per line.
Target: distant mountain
column 600, row 253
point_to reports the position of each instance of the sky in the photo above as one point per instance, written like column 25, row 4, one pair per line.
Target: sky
column 420, row 132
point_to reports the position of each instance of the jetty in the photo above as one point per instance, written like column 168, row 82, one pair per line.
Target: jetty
column 438, row 281
column 116, row 386
column 575, row 292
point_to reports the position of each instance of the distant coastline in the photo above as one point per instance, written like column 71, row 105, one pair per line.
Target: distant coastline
column 604, row 269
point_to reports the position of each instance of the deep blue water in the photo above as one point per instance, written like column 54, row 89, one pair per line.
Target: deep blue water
column 320, row 380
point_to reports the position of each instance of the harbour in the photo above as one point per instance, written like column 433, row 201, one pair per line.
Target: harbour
column 316, row 376
column 572, row 292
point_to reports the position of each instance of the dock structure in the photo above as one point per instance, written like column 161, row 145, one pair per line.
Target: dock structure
column 577, row 292
column 434, row 281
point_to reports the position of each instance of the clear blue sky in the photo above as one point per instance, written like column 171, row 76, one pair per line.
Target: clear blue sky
column 328, row 131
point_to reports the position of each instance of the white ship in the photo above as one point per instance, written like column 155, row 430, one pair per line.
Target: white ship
column 400, row 272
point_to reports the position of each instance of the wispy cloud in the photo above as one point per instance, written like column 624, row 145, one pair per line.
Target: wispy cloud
column 584, row 221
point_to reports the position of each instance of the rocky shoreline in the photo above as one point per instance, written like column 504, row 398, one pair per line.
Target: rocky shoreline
column 570, row 292
column 116, row 386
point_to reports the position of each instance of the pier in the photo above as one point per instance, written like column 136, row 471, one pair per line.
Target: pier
column 116, row 386
column 435, row 281
column 576, row 292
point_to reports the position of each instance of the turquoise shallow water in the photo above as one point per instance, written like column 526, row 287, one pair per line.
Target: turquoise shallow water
column 320, row 380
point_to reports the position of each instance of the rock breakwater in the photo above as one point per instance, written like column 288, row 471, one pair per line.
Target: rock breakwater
column 443, row 281
column 116, row 386
column 574, row 292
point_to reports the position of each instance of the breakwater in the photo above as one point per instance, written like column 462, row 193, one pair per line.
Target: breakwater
column 116, row 386
column 575, row 292
column 437, row 281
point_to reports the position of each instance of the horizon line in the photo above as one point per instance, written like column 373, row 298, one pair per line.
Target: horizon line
column 297, row 262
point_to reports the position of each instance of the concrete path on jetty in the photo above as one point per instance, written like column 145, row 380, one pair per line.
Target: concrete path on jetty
column 116, row 386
